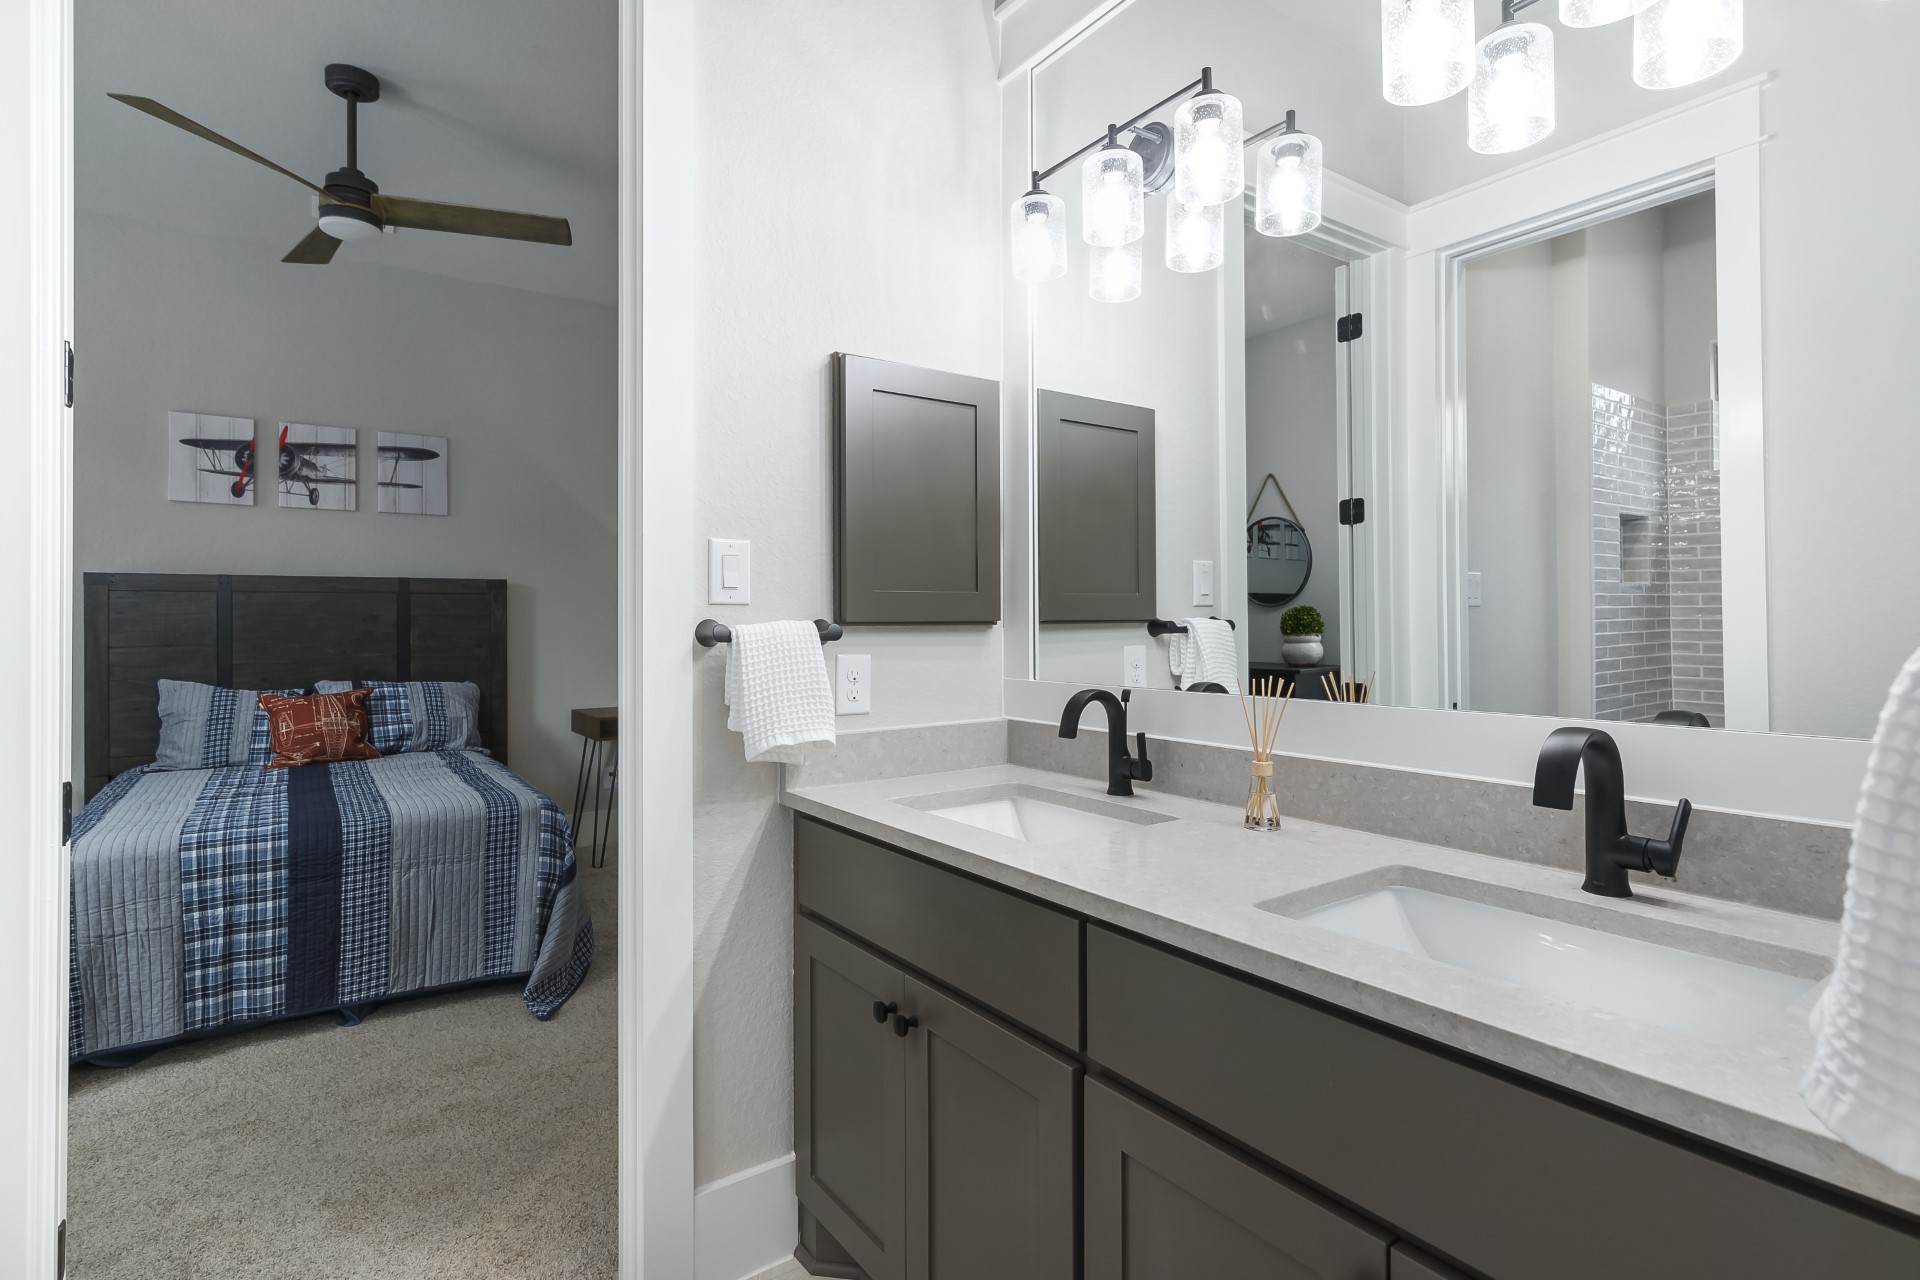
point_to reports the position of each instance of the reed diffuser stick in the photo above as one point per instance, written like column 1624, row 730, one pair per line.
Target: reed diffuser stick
column 1263, row 717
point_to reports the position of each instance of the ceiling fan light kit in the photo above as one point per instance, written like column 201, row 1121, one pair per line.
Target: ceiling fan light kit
column 349, row 207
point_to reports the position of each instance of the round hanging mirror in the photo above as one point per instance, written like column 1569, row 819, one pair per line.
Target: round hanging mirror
column 1279, row 560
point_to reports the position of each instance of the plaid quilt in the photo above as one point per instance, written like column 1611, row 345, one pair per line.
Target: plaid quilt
column 215, row 898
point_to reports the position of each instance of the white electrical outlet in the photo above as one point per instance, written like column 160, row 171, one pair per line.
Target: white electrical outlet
column 729, row 571
column 852, row 684
column 1203, row 582
column 1473, row 591
column 1133, row 664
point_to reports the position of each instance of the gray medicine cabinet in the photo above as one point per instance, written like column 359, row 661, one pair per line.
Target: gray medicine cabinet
column 1096, row 510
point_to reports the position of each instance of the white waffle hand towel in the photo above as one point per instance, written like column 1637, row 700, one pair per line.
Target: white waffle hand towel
column 1865, row 1080
column 1205, row 652
column 778, row 696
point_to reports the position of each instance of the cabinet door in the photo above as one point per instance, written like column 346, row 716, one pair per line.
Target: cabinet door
column 1163, row 1202
column 990, row 1148
column 1407, row 1263
column 849, row 1098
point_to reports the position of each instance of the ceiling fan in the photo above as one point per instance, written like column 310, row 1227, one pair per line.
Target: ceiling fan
column 351, row 206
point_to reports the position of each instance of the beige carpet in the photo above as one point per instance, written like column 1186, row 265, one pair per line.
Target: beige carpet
column 452, row 1136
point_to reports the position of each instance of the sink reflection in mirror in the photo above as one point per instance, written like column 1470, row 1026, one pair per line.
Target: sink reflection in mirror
column 1678, row 982
column 1552, row 432
column 1034, row 814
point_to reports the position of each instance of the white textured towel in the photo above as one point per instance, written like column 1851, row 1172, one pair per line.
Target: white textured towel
column 1205, row 652
column 1865, row 1080
column 778, row 696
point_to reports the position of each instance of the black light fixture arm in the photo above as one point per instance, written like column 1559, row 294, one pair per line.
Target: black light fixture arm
column 1510, row 8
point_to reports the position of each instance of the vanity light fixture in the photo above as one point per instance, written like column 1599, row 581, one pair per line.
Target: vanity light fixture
column 1112, row 195
column 1196, row 236
column 1598, row 13
column 1428, row 47
column 1289, row 181
column 1209, row 154
column 1510, row 105
column 1114, row 275
column 1039, row 235
column 1682, row 42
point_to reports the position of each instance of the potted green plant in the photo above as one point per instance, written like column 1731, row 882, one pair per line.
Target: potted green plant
column 1300, row 631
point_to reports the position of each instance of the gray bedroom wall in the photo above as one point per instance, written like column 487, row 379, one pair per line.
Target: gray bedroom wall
column 877, row 232
column 522, row 385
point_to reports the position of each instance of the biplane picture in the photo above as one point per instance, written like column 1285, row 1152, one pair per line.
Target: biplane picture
column 210, row 459
column 319, row 467
column 413, row 474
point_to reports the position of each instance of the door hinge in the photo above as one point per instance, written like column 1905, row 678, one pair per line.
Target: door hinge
column 1348, row 328
column 69, row 347
column 1353, row 511
column 66, row 812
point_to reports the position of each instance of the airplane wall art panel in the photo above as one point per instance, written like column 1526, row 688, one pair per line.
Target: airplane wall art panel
column 413, row 474
column 210, row 458
column 319, row 467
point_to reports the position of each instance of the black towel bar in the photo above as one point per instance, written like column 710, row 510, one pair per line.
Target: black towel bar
column 710, row 633
column 1161, row 627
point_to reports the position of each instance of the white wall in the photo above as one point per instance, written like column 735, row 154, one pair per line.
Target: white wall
column 1292, row 432
column 850, row 183
column 522, row 386
column 1691, row 311
column 1513, row 637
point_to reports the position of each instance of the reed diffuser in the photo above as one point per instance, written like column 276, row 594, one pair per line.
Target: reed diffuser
column 1263, row 716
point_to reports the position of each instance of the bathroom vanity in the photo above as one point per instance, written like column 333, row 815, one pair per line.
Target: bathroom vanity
column 1043, row 1033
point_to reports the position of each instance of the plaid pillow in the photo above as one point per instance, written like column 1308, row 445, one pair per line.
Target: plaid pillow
column 318, row 728
column 417, row 715
column 203, row 726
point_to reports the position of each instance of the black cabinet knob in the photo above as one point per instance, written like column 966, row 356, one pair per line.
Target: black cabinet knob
column 903, row 1024
column 881, row 1012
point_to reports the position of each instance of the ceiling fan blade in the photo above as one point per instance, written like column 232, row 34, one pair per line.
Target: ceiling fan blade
column 461, row 219
column 317, row 247
column 178, row 121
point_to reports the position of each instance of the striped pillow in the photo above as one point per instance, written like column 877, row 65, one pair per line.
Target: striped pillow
column 203, row 726
column 417, row 715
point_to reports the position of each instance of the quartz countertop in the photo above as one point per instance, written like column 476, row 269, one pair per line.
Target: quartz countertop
column 1196, row 883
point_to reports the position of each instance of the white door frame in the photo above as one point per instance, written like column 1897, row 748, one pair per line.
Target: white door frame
column 654, row 652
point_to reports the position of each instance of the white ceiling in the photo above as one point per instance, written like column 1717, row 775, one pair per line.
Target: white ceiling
column 501, row 103
column 1287, row 283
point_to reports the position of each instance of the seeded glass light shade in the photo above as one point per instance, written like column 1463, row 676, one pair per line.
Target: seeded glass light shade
column 1114, row 274
column 1288, row 187
column 1598, row 13
column 1428, row 48
column 1511, row 103
column 1113, row 204
column 1209, row 144
column 1196, row 236
column 1682, row 42
column 1039, row 237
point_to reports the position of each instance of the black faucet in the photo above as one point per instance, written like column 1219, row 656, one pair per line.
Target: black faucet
column 1611, row 852
column 1122, row 769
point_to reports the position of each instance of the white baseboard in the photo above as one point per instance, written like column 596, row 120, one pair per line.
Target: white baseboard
column 745, row 1223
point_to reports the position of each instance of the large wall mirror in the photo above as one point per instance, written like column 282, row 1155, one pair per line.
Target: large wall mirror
column 1612, row 426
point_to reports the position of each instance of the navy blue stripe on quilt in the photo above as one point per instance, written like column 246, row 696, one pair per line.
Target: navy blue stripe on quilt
column 434, row 726
column 502, row 857
column 313, row 891
column 84, row 821
column 233, row 897
column 366, row 894
column 219, row 739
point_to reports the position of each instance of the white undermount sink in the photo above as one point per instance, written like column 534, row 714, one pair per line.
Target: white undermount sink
column 1033, row 814
column 1710, row 998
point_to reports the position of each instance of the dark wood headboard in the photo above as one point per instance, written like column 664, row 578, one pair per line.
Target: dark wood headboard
column 273, row 632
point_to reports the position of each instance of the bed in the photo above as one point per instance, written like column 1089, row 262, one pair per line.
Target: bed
column 207, row 900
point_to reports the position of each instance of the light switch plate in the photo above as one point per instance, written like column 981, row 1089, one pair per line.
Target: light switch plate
column 729, row 571
column 852, row 684
column 1203, row 582
column 1473, row 591
column 1133, row 664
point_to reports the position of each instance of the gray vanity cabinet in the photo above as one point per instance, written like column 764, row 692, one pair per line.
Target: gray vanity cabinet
column 1164, row 1202
column 849, row 1086
column 1404, row 1263
column 989, row 1140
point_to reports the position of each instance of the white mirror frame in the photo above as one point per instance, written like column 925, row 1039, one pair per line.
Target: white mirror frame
column 1808, row 779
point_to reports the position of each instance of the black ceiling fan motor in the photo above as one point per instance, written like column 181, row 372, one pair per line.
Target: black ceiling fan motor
column 356, row 86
